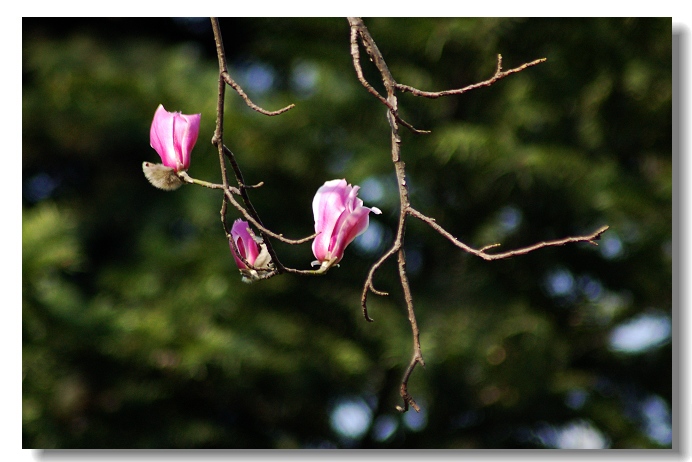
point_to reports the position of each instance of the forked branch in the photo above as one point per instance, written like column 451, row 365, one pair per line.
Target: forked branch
column 359, row 31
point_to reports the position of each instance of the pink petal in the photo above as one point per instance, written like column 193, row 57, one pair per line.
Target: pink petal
column 247, row 247
column 160, row 136
column 186, row 132
column 355, row 224
column 329, row 201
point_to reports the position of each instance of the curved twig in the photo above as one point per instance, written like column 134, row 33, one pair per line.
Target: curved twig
column 226, row 77
column 369, row 287
column 229, row 80
column 589, row 238
column 499, row 74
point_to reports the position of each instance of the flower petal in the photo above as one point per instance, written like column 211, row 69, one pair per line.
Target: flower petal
column 354, row 225
column 160, row 136
column 186, row 130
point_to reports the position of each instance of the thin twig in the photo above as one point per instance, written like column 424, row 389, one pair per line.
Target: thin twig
column 417, row 357
column 358, row 28
column 590, row 238
column 368, row 286
column 499, row 74
column 229, row 80
column 226, row 77
column 249, row 210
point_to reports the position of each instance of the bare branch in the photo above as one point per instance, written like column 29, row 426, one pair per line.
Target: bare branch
column 188, row 179
column 591, row 239
column 417, row 353
column 227, row 78
column 358, row 29
column 368, row 286
column 499, row 74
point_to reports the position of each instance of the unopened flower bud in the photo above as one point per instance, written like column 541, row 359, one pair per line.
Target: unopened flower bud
column 252, row 249
column 172, row 135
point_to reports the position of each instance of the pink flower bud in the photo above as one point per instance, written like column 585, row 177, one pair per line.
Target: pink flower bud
column 173, row 135
column 252, row 249
column 245, row 243
column 339, row 218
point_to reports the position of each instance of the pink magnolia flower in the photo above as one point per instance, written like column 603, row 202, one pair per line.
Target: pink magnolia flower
column 252, row 249
column 173, row 135
column 339, row 217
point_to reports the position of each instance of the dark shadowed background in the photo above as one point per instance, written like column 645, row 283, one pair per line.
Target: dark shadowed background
column 138, row 332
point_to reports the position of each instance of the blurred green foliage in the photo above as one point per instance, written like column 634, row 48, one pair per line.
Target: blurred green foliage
column 138, row 333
